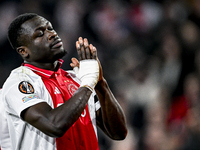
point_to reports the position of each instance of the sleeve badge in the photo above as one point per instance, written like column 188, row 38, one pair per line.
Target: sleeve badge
column 25, row 87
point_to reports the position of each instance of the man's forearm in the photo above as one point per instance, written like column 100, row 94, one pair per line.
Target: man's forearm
column 59, row 119
column 112, row 114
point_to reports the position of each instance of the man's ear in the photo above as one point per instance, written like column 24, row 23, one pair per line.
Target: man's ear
column 23, row 51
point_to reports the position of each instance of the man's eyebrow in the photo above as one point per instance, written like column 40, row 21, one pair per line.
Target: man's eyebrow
column 42, row 26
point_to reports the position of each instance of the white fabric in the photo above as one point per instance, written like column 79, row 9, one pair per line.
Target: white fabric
column 89, row 72
column 5, row 142
column 76, row 70
column 24, row 136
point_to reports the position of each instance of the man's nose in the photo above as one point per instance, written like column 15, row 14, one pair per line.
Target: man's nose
column 52, row 34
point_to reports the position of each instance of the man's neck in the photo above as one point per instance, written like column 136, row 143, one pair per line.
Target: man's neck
column 47, row 66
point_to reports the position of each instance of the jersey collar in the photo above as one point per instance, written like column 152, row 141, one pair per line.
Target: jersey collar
column 43, row 72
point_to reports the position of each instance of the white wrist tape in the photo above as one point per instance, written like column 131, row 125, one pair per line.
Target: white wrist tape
column 76, row 71
column 89, row 73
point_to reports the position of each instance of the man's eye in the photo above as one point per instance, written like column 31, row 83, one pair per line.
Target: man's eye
column 50, row 28
column 41, row 33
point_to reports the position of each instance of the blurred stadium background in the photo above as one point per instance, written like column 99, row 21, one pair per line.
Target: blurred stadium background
column 150, row 53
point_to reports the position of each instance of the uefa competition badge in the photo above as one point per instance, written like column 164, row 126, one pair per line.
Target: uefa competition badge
column 25, row 87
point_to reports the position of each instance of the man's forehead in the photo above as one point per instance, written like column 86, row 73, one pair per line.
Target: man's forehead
column 34, row 23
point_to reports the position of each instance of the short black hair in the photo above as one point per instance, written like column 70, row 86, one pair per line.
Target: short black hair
column 15, row 30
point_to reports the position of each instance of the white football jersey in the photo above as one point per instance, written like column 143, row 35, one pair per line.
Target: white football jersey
column 19, row 85
column 22, row 89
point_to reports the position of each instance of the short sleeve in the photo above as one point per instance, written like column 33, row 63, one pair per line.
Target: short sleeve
column 20, row 96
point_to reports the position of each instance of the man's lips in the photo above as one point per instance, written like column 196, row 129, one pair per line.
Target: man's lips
column 57, row 43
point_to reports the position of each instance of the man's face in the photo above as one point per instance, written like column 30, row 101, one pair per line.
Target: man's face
column 43, row 43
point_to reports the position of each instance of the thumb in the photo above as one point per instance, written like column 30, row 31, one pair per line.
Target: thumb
column 75, row 63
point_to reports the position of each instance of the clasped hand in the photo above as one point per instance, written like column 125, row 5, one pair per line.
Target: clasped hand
column 89, row 67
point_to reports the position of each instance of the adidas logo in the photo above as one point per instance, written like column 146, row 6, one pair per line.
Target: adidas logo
column 56, row 91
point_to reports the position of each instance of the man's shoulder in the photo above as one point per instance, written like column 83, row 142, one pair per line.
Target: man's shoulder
column 21, row 73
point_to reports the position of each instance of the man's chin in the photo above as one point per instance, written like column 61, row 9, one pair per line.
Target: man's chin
column 60, row 55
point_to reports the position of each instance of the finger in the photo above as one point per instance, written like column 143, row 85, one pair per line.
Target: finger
column 75, row 62
column 82, row 48
column 72, row 65
column 86, row 45
column 93, row 51
column 80, row 39
column 78, row 50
